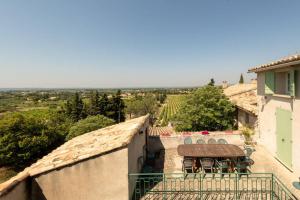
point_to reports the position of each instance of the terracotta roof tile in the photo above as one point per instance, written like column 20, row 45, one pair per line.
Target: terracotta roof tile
column 243, row 96
column 284, row 60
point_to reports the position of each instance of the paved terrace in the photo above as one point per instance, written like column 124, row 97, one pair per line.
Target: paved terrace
column 170, row 162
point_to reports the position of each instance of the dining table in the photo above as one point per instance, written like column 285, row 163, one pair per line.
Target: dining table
column 210, row 151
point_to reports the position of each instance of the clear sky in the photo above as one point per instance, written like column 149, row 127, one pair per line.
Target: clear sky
column 141, row 43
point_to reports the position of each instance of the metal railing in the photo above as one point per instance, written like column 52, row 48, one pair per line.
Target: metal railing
column 207, row 186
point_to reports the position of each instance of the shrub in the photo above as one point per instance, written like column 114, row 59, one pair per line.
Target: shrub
column 89, row 124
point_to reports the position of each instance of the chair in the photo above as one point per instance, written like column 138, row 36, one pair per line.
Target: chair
column 242, row 167
column 188, row 140
column 187, row 165
column 248, row 152
column 222, row 141
column 212, row 141
column 223, row 166
column 207, row 164
column 201, row 141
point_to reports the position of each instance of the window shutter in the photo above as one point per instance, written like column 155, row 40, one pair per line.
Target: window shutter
column 292, row 82
column 269, row 82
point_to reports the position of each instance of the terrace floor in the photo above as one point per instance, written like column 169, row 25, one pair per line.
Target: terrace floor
column 170, row 162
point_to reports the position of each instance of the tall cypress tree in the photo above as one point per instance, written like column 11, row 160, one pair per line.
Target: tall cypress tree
column 104, row 105
column 75, row 108
column 118, row 106
column 94, row 108
column 241, row 79
column 212, row 82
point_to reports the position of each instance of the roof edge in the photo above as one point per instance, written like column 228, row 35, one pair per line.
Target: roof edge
column 276, row 66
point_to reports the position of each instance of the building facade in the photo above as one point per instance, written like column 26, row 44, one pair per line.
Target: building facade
column 279, row 110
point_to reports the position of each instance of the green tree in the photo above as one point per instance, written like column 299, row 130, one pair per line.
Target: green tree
column 75, row 108
column 117, row 108
column 27, row 136
column 104, row 105
column 241, row 81
column 212, row 82
column 89, row 124
column 206, row 109
column 94, row 107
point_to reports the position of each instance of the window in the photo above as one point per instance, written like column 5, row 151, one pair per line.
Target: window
column 280, row 82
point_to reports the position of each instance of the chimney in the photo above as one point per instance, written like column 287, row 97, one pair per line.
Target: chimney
column 225, row 84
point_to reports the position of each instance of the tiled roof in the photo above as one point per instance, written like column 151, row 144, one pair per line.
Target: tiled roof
column 243, row 96
column 285, row 60
column 83, row 147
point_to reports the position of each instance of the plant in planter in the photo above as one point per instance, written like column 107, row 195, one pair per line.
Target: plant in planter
column 248, row 133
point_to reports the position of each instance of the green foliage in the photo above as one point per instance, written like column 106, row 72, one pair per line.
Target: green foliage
column 75, row 109
column 205, row 109
column 26, row 136
column 116, row 110
column 94, row 107
column 212, row 82
column 173, row 103
column 247, row 132
column 89, row 124
column 140, row 106
column 241, row 81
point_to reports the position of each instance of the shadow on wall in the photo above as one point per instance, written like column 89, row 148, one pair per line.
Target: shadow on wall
column 155, row 156
column 37, row 193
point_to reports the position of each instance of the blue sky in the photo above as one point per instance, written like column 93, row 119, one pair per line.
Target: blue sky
column 141, row 43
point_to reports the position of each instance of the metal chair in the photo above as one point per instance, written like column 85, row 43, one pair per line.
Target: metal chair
column 222, row 141
column 222, row 166
column 241, row 167
column 187, row 165
column 207, row 164
column 212, row 141
column 201, row 141
column 248, row 152
column 188, row 140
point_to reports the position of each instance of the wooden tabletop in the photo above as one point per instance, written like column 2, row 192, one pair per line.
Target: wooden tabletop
column 210, row 150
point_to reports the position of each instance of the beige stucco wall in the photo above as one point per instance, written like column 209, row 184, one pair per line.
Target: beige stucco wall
column 104, row 177
column 137, row 154
column 267, row 120
column 17, row 192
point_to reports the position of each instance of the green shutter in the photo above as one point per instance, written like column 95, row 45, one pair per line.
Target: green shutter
column 292, row 82
column 269, row 82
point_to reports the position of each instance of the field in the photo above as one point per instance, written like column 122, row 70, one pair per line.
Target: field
column 170, row 108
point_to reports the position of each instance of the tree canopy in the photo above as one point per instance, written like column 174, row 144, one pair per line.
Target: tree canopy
column 205, row 109
column 89, row 124
column 27, row 136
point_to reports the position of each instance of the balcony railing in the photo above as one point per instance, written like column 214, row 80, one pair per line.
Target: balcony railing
column 208, row 186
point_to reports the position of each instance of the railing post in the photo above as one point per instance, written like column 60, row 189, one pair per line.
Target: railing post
column 236, row 186
column 272, row 187
column 199, row 187
column 164, row 186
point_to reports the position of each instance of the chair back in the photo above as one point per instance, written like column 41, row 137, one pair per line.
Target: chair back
column 201, row 141
column 248, row 151
column 207, row 162
column 188, row 140
column 222, row 141
column 187, row 162
column 212, row 141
